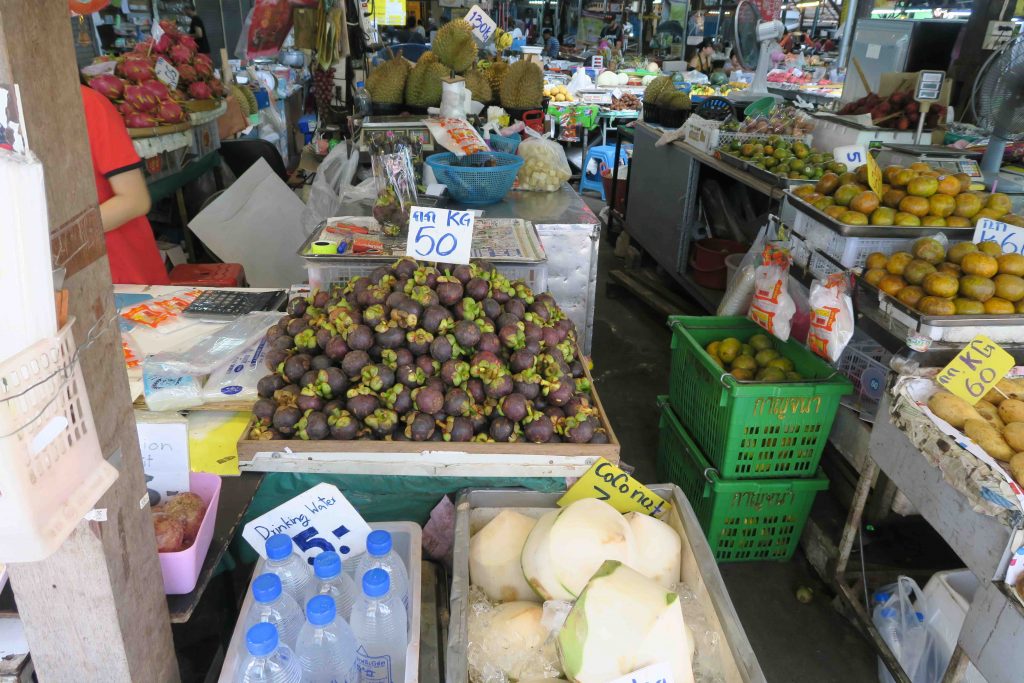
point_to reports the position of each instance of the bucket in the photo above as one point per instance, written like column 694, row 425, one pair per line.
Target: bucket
column 710, row 254
column 620, row 187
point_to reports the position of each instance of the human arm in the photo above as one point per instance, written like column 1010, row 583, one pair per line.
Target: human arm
column 131, row 199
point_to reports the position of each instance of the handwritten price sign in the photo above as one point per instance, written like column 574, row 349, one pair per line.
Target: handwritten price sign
column 857, row 155
column 166, row 72
column 607, row 482
column 442, row 235
column 483, row 25
column 1009, row 237
column 976, row 369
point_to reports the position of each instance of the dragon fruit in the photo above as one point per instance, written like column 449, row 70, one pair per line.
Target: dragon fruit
column 170, row 27
column 179, row 54
column 164, row 44
column 140, row 98
column 200, row 91
column 189, row 42
column 204, row 70
column 178, row 96
column 171, row 112
column 157, row 89
column 217, row 87
column 139, row 120
column 109, row 86
column 186, row 74
column 136, row 70
column 126, row 108
column 144, row 47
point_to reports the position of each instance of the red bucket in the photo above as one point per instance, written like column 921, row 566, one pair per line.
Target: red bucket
column 708, row 261
column 620, row 187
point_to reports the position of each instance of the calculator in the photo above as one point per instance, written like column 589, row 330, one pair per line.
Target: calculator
column 220, row 304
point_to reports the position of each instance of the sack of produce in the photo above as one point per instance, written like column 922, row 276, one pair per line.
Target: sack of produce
column 831, row 317
column 545, row 167
column 772, row 306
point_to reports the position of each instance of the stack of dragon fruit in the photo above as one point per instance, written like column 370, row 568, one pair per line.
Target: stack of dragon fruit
column 143, row 100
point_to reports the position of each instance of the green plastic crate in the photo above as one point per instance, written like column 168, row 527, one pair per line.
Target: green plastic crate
column 745, row 520
column 751, row 429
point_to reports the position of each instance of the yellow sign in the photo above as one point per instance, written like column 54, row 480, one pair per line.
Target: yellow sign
column 607, row 482
column 874, row 175
column 213, row 441
column 976, row 369
column 389, row 12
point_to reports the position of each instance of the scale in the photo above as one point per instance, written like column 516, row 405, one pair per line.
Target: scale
column 936, row 156
column 413, row 127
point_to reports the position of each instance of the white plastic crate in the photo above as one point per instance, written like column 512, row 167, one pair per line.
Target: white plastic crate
column 51, row 468
column 322, row 275
column 850, row 252
column 866, row 364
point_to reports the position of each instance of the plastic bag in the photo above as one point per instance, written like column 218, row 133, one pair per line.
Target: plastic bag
column 208, row 353
column 831, row 316
column 580, row 81
column 457, row 136
column 900, row 615
column 236, row 380
column 167, row 389
column 772, row 307
column 333, row 193
column 271, row 21
column 396, row 191
column 545, row 167
column 741, row 287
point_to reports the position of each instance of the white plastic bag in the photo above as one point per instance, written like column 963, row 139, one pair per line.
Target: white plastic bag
column 741, row 287
column 772, row 307
column 580, row 81
column 901, row 617
column 831, row 317
column 210, row 352
column 236, row 380
column 545, row 167
column 333, row 193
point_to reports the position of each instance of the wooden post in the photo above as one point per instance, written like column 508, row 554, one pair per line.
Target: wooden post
column 95, row 610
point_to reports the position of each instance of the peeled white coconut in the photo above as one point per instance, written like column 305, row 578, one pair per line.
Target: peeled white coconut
column 622, row 622
column 653, row 66
column 647, row 79
column 607, row 78
column 623, row 78
column 567, row 546
column 658, row 549
column 494, row 557
column 510, row 639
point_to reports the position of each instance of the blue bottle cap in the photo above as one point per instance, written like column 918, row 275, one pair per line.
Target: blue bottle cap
column 278, row 547
column 376, row 583
column 888, row 612
column 266, row 587
column 881, row 596
column 359, row 84
column 378, row 542
column 327, row 565
column 320, row 610
column 261, row 639
column 920, row 617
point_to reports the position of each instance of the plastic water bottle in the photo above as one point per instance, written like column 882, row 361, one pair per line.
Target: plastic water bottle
column 380, row 554
column 274, row 607
column 268, row 661
column 363, row 106
column 290, row 567
column 379, row 623
column 327, row 648
column 332, row 581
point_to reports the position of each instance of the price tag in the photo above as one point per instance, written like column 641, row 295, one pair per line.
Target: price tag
column 318, row 520
column 976, row 369
column 166, row 72
column 874, row 175
column 442, row 235
column 483, row 25
column 607, row 482
column 1009, row 237
column 597, row 62
column 655, row 673
column 851, row 155
column 163, row 442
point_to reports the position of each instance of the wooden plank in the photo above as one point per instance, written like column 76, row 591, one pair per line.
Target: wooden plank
column 662, row 301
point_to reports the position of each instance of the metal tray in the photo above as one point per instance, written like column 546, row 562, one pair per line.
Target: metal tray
column 873, row 230
column 474, row 507
column 759, row 173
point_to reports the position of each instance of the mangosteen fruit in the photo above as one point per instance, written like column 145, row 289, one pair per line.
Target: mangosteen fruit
column 354, row 362
column 264, row 410
column 492, row 309
column 268, row 385
column 410, row 375
column 296, row 366
column 428, row 365
column 467, row 334
column 513, row 406
column 501, row 429
column 313, row 426
column 296, row 326
column 454, row 372
column 285, row 418
column 475, row 388
column 456, row 402
column 440, row 349
column 477, row 289
column 297, row 307
column 489, row 342
column 428, row 400
column 336, row 348
column 283, row 343
column 435, row 318
column 362, row 405
column 344, row 426
column 382, row 421
column 360, row 338
column 320, row 362
column 449, row 290
column 539, row 429
column 420, row 426
column 391, row 337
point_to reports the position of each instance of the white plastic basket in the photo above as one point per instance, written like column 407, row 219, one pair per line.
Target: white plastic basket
column 866, row 364
column 850, row 252
column 51, row 469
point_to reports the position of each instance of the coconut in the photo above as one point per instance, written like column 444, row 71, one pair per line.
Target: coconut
column 494, row 557
column 658, row 549
column 510, row 639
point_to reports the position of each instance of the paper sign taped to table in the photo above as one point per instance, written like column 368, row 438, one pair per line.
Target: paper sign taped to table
column 163, row 442
column 607, row 482
column 319, row 519
column 975, row 370
column 1009, row 237
column 441, row 235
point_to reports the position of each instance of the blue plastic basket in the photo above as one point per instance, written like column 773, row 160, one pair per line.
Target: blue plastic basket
column 470, row 182
column 507, row 145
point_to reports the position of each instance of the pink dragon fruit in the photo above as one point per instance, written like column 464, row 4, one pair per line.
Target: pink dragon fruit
column 217, row 87
column 108, row 85
column 141, row 99
column 171, row 112
column 169, row 27
column 157, row 89
column 200, row 91
column 186, row 74
column 164, row 44
column 139, row 120
column 144, row 47
column 179, row 54
column 136, row 70
column 204, row 69
column 126, row 108
column 178, row 96
column 189, row 42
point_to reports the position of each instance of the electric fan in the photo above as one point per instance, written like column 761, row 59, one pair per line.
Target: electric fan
column 997, row 102
column 753, row 40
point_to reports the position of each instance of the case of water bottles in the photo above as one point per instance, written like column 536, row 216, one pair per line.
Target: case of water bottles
column 407, row 539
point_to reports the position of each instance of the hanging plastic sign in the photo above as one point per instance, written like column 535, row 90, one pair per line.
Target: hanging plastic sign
column 1009, row 237
column 607, row 482
column 166, row 72
column 483, row 26
column 157, row 31
column 442, row 235
column 655, row 673
column 976, row 369
column 318, row 520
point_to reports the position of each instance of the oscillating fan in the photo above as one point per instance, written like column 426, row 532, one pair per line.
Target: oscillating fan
column 997, row 101
column 753, row 45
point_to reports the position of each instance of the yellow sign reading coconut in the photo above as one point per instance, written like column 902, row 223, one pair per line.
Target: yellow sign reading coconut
column 607, row 482
column 976, row 369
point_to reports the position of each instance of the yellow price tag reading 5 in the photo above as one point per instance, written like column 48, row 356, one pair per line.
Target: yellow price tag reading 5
column 607, row 482
column 976, row 369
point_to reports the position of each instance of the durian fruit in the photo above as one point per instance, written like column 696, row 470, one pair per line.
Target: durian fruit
column 455, row 46
column 656, row 87
column 678, row 101
column 477, row 84
column 664, row 98
column 523, row 86
column 423, row 87
column 386, row 83
column 243, row 101
column 495, row 74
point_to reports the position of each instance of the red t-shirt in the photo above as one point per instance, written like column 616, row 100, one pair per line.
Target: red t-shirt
column 131, row 248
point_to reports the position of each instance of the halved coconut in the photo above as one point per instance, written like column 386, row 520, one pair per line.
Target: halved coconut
column 586, row 534
column 537, row 562
column 658, row 549
column 494, row 557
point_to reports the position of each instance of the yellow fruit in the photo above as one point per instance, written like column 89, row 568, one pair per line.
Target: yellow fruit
column 865, row 202
column 934, row 305
column 917, row 206
column 976, row 287
column 760, row 342
column 923, row 186
column 967, row 205
column 744, row 362
column 892, row 284
column 916, row 271
column 942, row 205
column 1000, row 203
column 845, row 194
column 1011, row 264
column 991, row 248
column 853, row 218
column 929, row 249
column 997, row 306
column 898, row 262
column 883, row 215
column 875, row 275
column 742, row 374
column 957, row 222
column 957, row 252
column 728, row 349
column 876, row 260
column 940, row 284
column 1009, row 287
column 977, row 263
column 910, row 295
column 920, row 167
column 712, row 349
column 949, row 185
column 968, row 306
column 933, row 222
column 905, row 219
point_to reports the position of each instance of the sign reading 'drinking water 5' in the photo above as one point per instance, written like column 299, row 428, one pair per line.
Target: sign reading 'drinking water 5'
column 319, row 519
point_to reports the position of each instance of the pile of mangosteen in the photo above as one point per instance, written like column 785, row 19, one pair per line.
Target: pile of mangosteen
column 411, row 353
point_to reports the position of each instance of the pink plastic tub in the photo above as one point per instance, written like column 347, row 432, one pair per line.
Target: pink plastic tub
column 181, row 569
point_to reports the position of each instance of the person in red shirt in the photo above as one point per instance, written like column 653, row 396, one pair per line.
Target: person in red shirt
column 123, row 195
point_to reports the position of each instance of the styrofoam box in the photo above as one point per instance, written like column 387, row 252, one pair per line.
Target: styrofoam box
column 830, row 133
column 408, row 542
column 949, row 595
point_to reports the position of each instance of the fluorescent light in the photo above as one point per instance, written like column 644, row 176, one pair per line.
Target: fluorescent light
column 804, row 5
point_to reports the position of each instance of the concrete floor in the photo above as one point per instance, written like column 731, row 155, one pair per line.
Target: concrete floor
column 794, row 642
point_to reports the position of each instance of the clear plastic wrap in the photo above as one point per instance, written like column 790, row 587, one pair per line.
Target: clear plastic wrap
column 208, row 353
column 236, row 379
column 545, row 167
column 509, row 642
column 396, row 191
column 707, row 655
